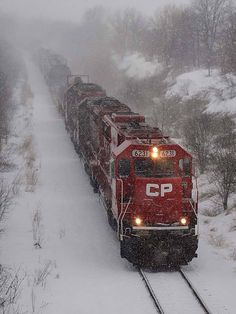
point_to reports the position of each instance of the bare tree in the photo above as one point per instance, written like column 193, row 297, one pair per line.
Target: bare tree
column 210, row 15
column 174, row 36
column 223, row 159
column 227, row 51
column 9, row 71
column 129, row 29
column 197, row 132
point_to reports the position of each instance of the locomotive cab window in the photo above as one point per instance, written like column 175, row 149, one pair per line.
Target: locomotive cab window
column 154, row 168
column 184, row 165
column 124, row 168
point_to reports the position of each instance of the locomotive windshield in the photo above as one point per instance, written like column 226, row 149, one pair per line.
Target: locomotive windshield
column 148, row 168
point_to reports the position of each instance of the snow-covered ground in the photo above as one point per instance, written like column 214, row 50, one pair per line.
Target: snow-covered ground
column 78, row 268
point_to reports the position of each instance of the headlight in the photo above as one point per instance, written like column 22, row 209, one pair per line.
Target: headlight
column 154, row 153
column 183, row 221
column 138, row 221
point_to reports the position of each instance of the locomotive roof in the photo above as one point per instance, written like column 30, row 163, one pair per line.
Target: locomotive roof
column 133, row 124
column 89, row 87
column 85, row 87
column 107, row 105
column 135, row 127
column 139, row 130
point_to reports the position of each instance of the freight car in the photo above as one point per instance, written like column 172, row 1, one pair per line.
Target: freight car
column 76, row 91
column 55, row 71
column 144, row 178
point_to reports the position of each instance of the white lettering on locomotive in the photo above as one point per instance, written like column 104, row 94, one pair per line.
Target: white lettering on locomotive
column 167, row 153
column 153, row 189
column 140, row 153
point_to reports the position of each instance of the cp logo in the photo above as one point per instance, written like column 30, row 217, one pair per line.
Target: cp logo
column 153, row 189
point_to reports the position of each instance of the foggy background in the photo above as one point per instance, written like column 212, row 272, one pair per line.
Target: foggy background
column 73, row 10
column 135, row 53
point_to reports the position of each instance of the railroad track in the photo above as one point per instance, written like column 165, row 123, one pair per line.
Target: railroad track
column 195, row 293
column 156, row 301
column 151, row 291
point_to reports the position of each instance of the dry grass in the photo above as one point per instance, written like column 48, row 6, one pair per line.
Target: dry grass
column 26, row 145
column 233, row 225
column 233, row 255
column 31, row 169
column 213, row 229
column 16, row 183
column 37, row 229
column 210, row 212
column 31, row 176
column 5, row 199
column 10, row 289
column 218, row 241
column 42, row 273
column 206, row 195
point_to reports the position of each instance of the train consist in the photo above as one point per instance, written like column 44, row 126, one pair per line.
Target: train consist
column 144, row 178
column 55, row 71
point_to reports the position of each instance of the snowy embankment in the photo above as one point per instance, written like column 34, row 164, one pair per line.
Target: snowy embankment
column 56, row 235
column 220, row 90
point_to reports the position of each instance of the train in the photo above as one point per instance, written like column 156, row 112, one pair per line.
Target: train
column 55, row 71
column 145, row 179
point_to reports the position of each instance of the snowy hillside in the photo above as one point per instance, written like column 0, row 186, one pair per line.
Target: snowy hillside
column 220, row 90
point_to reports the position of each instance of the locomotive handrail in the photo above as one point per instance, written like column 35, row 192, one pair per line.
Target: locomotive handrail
column 122, row 212
column 193, row 208
column 195, row 201
column 122, row 205
column 122, row 194
column 122, row 218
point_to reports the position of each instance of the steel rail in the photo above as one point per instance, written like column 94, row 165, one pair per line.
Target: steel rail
column 151, row 292
column 194, row 291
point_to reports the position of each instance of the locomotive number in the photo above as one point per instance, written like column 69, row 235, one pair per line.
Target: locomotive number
column 167, row 153
column 140, row 153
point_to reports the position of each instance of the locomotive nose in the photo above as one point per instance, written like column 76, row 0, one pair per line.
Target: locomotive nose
column 158, row 200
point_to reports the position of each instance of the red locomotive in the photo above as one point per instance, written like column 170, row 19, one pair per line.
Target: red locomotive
column 145, row 179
